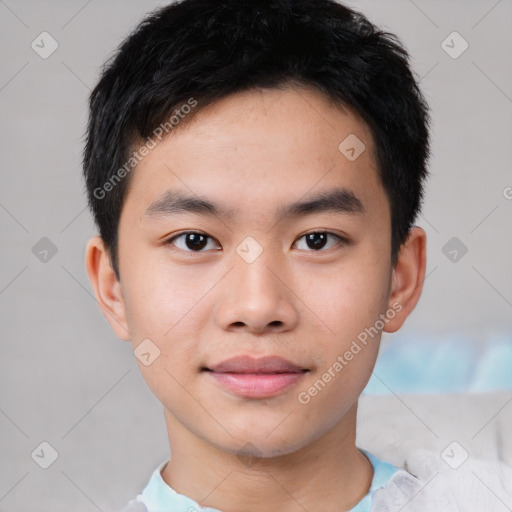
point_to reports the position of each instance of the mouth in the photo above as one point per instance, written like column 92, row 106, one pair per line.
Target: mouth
column 250, row 377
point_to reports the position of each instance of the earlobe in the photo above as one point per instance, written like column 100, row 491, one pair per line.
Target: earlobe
column 107, row 288
column 407, row 279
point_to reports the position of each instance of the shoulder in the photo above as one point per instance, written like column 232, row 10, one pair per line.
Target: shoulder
column 135, row 505
column 429, row 483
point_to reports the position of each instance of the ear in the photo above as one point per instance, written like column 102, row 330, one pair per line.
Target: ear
column 106, row 286
column 407, row 278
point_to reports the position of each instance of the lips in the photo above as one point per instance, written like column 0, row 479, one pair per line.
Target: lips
column 248, row 364
column 250, row 377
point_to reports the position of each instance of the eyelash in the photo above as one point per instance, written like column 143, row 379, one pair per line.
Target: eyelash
column 340, row 240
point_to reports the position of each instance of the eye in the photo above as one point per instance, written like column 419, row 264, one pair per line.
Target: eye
column 193, row 241
column 319, row 240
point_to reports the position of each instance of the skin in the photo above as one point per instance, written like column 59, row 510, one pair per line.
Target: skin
column 252, row 152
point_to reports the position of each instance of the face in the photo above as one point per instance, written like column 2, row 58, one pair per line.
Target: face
column 250, row 233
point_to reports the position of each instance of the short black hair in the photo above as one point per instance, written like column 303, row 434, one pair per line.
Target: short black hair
column 195, row 52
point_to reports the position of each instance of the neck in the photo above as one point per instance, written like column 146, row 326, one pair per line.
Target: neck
column 330, row 472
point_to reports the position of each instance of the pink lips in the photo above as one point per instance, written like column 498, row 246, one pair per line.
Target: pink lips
column 256, row 378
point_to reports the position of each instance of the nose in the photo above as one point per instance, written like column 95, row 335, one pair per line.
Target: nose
column 255, row 297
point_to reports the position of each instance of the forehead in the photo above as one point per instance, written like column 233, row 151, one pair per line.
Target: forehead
column 261, row 146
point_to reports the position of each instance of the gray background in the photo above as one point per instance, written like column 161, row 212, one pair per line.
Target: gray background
column 64, row 376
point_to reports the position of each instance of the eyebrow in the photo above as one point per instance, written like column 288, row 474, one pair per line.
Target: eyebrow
column 337, row 200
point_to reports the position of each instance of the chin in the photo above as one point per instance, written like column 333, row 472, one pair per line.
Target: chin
column 250, row 444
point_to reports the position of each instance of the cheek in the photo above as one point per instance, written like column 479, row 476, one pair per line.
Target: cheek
column 168, row 308
column 159, row 298
column 349, row 297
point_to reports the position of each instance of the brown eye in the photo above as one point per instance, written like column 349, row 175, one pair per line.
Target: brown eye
column 192, row 241
column 319, row 240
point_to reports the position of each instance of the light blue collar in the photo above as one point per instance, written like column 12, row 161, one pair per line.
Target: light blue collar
column 382, row 472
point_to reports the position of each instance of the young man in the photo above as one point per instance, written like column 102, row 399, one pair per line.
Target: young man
column 255, row 170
